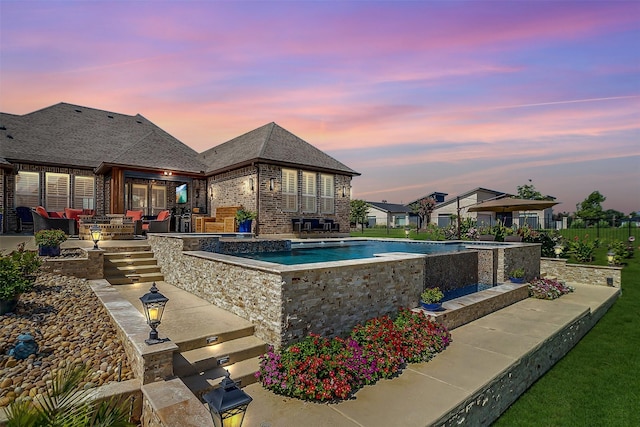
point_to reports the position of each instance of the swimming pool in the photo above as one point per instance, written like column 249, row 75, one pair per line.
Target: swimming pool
column 311, row 252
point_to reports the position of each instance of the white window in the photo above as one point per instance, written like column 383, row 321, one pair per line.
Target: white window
column 289, row 190
column 84, row 192
column 139, row 197
column 309, row 192
column 327, row 190
column 27, row 189
column 158, row 199
column 56, row 191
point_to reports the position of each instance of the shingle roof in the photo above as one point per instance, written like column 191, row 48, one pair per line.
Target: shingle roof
column 73, row 135
column 273, row 144
column 390, row 207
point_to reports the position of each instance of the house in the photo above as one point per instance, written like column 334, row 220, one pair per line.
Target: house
column 458, row 205
column 387, row 214
column 416, row 219
column 281, row 177
column 72, row 156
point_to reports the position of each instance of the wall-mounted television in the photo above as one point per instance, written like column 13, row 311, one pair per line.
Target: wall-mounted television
column 181, row 193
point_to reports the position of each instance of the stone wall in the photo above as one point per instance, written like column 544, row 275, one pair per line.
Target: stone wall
column 149, row 363
column 330, row 301
column 89, row 267
column 487, row 265
column 451, row 271
column 578, row 273
column 522, row 255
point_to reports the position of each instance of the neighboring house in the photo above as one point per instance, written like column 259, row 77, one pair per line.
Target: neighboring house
column 458, row 205
column 387, row 214
column 72, row 156
column 413, row 217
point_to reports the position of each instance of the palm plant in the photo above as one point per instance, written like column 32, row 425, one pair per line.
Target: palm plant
column 65, row 404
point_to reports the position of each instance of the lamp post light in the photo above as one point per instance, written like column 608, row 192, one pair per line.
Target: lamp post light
column 227, row 404
column 153, row 303
column 406, row 232
column 557, row 249
column 96, row 235
column 611, row 257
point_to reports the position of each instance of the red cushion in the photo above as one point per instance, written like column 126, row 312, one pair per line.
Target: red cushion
column 88, row 212
column 56, row 215
column 72, row 213
column 134, row 215
column 42, row 212
column 163, row 215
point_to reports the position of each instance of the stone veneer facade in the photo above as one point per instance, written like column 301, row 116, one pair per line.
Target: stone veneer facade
column 285, row 303
column 89, row 267
column 579, row 273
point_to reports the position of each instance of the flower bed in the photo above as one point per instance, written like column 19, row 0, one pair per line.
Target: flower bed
column 325, row 369
column 548, row 289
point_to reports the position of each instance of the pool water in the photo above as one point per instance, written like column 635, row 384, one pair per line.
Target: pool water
column 467, row 290
column 303, row 253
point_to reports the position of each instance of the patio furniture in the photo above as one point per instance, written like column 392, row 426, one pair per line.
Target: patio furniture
column 487, row 237
column 224, row 221
column 513, row 238
column 24, row 218
column 42, row 221
column 331, row 225
column 161, row 224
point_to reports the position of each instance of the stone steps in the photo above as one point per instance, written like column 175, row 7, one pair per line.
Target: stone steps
column 242, row 372
column 196, row 361
column 133, row 266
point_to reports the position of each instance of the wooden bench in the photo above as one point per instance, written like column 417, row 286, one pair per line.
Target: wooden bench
column 223, row 222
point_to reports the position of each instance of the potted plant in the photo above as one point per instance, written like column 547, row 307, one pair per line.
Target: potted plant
column 517, row 275
column 244, row 218
column 17, row 275
column 49, row 241
column 430, row 299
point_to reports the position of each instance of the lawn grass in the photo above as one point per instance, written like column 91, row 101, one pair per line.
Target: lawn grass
column 598, row 382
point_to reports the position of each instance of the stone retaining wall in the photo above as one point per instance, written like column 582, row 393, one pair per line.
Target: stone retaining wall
column 89, row 267
column 578, row 273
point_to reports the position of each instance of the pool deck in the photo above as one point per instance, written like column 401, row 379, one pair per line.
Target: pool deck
column 469, row 383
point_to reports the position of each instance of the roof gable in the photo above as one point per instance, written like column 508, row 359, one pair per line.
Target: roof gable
column 273, row 144
column 389, row 207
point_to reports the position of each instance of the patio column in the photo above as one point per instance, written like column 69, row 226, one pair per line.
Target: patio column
column 116, row 204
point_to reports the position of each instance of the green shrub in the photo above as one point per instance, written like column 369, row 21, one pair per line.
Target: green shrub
column 17, row 272
column 582, row 249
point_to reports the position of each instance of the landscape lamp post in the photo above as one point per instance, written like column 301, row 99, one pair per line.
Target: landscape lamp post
column 557, row 249
column 610, row 257
column 406, row 232
column 96, row 235
column 153, row 303
column 227, row 404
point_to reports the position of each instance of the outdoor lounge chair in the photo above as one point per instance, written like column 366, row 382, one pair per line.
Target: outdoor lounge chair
column 24, row 218
column 159, row 225
column 42, row 221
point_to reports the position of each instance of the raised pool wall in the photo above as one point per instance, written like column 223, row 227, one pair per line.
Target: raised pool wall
column 287, row 302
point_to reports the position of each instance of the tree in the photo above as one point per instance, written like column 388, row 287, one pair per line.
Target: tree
column 423, row 209
column 529, row 192
column 591, row 207
column 359, row 211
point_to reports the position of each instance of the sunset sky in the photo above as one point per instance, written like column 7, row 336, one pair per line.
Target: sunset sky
column 417, row 96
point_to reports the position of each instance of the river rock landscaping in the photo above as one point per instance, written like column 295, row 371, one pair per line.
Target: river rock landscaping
column 70, row 326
